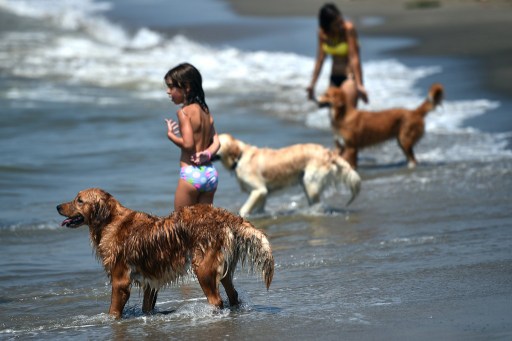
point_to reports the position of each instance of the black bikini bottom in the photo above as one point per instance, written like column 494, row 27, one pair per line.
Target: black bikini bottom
column 337, row 80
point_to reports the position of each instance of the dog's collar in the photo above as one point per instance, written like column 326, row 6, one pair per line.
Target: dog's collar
column 235, row 164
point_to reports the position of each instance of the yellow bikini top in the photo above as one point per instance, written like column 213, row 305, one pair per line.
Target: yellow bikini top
column 340, row 49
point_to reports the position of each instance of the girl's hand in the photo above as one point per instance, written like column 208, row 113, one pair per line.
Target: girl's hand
column 172, row 127
column 201, row 157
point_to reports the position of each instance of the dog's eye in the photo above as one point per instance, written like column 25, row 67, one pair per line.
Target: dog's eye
column 80, row 201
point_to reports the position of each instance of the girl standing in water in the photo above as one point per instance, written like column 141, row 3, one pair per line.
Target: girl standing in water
column 194, row 133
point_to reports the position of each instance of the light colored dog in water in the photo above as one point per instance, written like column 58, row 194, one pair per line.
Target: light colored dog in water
column 262, row 170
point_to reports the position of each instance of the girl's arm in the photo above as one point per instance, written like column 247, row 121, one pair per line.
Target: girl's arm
column 173, row 132
column 187, row 133
column 207, row 154
column 186, row 140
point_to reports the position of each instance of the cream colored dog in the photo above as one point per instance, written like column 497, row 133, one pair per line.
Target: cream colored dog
column 262, row 170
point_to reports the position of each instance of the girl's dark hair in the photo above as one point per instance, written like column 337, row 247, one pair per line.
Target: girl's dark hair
column 187, row 77
column 327, row 14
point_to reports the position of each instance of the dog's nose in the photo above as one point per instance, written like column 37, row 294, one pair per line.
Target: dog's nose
column 59, row 207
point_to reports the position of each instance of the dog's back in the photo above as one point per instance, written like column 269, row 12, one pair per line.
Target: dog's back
column 234, row 238
column 382, row 125
column 160, row 251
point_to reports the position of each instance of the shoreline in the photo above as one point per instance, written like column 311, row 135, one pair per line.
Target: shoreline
column 478, row 29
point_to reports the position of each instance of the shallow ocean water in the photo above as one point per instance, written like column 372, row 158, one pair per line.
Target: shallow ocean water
column 421, row 253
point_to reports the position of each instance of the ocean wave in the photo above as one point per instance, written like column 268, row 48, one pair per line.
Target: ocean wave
column 29, row 226
column 91, row 50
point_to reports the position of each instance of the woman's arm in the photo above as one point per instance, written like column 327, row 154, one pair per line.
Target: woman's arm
column 355, row 60
column 319, row 62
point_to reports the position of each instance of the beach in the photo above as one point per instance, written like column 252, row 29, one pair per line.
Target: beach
column 420, row 254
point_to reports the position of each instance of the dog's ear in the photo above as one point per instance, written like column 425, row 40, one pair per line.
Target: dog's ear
column 101, row 210
column 233, row 155
column 230, row 151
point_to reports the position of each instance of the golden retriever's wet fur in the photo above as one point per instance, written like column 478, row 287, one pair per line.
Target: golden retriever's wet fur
column 151, row 251
column 262, row 170
column 360, row 128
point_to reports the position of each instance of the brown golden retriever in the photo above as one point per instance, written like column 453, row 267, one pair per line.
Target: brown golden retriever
column 360, row 128
column 262, row 170
column 153, row 251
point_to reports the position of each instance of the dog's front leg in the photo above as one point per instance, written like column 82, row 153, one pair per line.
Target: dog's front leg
column 350, row 155
column 120, row 289
column 256, row 200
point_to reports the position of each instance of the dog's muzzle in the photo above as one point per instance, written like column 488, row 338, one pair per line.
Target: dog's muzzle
column 75, row 221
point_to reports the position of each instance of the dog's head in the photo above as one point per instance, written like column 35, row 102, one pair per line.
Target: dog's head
column 230, row 151
column 90, row 207
column 334, row 97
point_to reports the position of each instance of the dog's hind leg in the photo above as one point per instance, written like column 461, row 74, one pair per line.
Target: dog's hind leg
column 411, row 160
column 406, row 144
column 208, row 276
column 227, row 283
column 150, row 295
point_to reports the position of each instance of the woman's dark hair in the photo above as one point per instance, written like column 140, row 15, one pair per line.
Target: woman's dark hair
column 186, row 76
column 328, row 13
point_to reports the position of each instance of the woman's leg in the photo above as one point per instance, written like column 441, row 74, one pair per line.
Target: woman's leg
column 185, row 195
column 350, row 90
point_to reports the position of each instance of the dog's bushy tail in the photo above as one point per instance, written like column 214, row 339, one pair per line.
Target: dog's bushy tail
column 434, row 98
column 348, row 175
column 253, row 249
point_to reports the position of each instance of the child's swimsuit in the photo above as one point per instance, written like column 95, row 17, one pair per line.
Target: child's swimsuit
column 203, row 178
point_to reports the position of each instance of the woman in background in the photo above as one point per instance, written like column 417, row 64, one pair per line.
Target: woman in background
column 337, row 37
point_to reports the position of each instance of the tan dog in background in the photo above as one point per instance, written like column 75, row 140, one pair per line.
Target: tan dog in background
column 153, row 251
column 262, row 170
column 360, row 128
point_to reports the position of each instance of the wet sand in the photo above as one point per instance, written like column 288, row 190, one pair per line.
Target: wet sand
column 447, row 28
